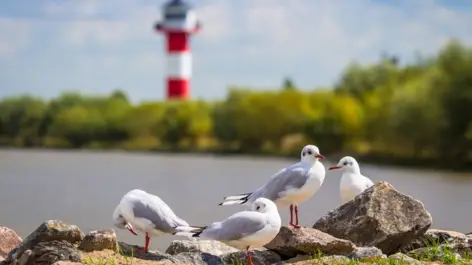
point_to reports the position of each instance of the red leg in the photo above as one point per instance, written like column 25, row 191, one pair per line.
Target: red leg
column 296, row 217
column 249, row 257
column 291, row 214
column 146, row 246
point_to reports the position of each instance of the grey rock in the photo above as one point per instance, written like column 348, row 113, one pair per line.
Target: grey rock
column 296, row 259
column 8, row 240
column 205, row 246
column 154, row 255
column 381, row 216
column 23, row 260
column 62, row 262
column 290, row 242
column 198, row 258
column 260, row 256
column 400, row 257
column 326, row 260
column 366, row 252
column 45, row 253
column 434, row 237
column 99, row 240
column 52, row 230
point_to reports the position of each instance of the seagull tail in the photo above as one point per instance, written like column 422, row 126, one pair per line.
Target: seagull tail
column 189, row 231
column 237, row 199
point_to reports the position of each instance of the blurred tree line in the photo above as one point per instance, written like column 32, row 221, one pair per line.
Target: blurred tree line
column 417, row 112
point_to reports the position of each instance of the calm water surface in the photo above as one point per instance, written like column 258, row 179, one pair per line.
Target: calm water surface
column 83, row 188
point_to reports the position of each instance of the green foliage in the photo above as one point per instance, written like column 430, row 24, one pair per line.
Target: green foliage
column 420, row 111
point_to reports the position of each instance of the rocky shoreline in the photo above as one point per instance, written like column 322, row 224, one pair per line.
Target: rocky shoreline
column 380, row 226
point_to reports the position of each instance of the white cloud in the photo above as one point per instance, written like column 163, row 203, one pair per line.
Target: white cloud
column 216, row 21
column 14, row 36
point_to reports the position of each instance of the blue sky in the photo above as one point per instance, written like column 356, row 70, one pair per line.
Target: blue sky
column 95, row 46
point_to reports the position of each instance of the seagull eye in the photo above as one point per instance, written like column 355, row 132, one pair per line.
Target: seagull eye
column 345, row 163
column 309, row 152
column 258, row 207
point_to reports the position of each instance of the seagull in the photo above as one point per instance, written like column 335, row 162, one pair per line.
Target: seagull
column 147, row 213
column 242, row 230
column 352, row 181
column 291, row 185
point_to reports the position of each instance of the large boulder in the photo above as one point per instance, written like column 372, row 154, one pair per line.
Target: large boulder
column 381, row 216
column 8, row 240
column 291, row 242
column 45, row 253
column 205, row 246
column 99, row 240
column 52, row 230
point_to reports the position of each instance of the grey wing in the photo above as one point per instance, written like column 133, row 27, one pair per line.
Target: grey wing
column 236, row 226
column 159, row 213
column 288, row 178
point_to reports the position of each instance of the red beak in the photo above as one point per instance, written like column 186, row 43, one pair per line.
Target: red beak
column 319, row 156
column 132, row 231
column 334, row 167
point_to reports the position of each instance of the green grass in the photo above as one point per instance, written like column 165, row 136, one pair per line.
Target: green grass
column 433, row 252
column 110, row 260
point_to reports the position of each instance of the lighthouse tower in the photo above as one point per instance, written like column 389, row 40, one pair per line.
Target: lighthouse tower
column 178, row 23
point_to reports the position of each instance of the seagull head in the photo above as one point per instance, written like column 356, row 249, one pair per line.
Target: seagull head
column 311, row 154
column 263, row 205
column 121, row 223
column 347, row 164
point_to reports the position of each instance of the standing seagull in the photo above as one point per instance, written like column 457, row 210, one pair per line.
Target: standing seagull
column 242, row 230
column 352, row 181
column 291, row 185
column 147, row 213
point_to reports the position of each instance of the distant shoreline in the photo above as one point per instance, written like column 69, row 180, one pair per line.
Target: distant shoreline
column 419, row 164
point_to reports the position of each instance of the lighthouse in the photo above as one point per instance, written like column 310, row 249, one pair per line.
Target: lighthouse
column 178, row 23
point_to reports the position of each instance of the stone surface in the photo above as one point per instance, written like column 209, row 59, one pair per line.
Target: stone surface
column 198, row 258
column 52, row 230
column 154, row 255
column 205, row 246
column 8, row 240
column 259, row 256
column 381, row 216
column 45, row 253
column 366, row 252
column 62, row 262
column 290, row 242
column 326, row 260
column 99, row 240
column 434, row 237
column 297, row 259
column 400, row 257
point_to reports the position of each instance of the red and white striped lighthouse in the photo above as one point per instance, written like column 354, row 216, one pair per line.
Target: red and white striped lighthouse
column 178, row 23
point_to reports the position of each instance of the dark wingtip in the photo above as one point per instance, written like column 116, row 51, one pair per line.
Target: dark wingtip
column 220, row 203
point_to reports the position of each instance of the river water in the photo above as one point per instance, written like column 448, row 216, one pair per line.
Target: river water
column 83, row 188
